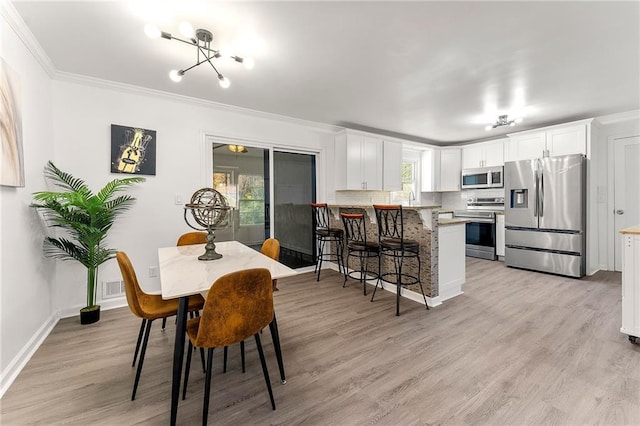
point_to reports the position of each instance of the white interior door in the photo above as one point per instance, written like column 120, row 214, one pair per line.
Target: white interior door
column 626, row 190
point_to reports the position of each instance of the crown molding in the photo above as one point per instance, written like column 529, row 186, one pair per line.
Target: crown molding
column 620, row 117
column 129, row 88
column 17, row 24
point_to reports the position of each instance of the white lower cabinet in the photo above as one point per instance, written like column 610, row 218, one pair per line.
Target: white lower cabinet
column 631, row 285
column 500, row 235
column 451, row 260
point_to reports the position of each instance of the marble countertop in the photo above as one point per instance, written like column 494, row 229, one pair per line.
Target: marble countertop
column 448, row 222
column 370, row 206
column 635, row 230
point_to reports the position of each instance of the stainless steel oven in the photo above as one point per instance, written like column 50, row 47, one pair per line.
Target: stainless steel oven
column 480, row 236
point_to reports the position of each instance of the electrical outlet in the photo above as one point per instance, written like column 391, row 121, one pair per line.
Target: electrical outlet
column 153, row 271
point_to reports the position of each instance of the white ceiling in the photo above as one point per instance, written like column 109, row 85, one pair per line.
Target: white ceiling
column 428, row 71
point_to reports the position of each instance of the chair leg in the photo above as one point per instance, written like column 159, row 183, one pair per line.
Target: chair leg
column 164, row 323
column 204, row 369
column 346, row 272
column 135, row 354
column 420, row 282
column 242, row 355
column 264, row 370
column 142, row 352
column 339, row 253
column 187, row 369
column 224, row 362
column 207, row 387
column 398, row 284
column 275, row 336
column 363, row 271
column 321, row 258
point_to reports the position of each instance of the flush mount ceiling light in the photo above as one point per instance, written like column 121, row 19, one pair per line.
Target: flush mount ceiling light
column 503, row 120
column 238, row 148
column 201, row 40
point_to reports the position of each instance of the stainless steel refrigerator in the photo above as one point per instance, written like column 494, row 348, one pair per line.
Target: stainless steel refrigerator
column 545, row 214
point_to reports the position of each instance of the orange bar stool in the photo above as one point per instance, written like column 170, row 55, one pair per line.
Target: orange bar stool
column 324, row 234
column 359, row 248
column 396, row 247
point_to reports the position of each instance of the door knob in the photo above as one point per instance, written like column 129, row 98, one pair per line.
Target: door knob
column 619, row 211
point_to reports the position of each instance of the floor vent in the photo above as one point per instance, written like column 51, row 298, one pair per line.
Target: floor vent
column 111, row 289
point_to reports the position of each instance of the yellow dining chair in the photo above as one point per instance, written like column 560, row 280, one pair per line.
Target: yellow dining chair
column 270, row 248
column 238, row 306
column 192, row 238
column 147, row 306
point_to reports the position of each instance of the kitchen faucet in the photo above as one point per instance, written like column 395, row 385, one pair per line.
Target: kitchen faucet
column 412, row 196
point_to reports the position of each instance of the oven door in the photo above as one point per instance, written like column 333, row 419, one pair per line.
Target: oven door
column 481, row 239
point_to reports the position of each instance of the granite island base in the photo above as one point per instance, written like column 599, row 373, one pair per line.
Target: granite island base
column 420, row 224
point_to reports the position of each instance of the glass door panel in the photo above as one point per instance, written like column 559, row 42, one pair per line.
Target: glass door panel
column 241, row 174
column 294, row 189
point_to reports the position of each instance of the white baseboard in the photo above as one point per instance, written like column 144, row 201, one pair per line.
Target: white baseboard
column 105, row 305
column 20, row 360
column 450, row 290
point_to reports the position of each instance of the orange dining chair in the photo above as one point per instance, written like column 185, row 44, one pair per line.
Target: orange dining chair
column 147, row 306
column 270, row 248
column 238, row 306
column 192, row 238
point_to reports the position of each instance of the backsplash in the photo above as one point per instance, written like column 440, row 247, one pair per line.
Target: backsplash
column 362, row 197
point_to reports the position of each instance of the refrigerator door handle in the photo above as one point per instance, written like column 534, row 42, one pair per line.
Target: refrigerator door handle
column 535, row 191
column 541, row 195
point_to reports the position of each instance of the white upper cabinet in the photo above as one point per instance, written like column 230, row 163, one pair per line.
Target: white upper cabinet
column 483, row 154
column 570, row 138
column 358, row 161
column 392, row 166
column 440, row 169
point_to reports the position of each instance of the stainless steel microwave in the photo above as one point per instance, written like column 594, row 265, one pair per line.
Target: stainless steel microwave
column 485, row 177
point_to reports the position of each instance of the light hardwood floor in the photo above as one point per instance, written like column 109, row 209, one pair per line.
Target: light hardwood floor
column 517, row 348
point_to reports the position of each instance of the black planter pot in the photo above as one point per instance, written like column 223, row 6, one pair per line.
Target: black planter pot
column 89, row 315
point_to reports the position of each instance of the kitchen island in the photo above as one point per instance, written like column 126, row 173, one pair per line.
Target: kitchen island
column 421, row 224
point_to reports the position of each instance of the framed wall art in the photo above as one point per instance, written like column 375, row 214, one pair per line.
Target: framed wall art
column 12, row 171
column 133, row 150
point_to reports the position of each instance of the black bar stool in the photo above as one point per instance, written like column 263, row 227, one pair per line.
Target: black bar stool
column 395, row 246
column 325, row 234
column 359, row 247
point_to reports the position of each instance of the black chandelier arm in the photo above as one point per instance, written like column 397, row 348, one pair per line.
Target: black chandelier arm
column 208, row 59
column 192, row 42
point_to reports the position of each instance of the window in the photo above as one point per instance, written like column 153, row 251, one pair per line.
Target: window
column 251, row 199
column 408, row 191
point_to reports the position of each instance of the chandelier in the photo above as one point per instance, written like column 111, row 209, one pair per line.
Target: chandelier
column 503, row 120
column 201, row 40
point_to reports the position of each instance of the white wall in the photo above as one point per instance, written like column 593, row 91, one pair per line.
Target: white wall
column 625, row 124
column 83, row 114
column 26, row 283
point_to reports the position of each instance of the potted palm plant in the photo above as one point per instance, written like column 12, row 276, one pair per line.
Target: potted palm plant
column 85, row 218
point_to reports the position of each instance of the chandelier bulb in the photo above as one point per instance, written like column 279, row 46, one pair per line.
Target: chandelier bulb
column 176, row 75
column 488, row 127
column 186, row 29
column 249, row 63
column 152, row 31
column 224, row 82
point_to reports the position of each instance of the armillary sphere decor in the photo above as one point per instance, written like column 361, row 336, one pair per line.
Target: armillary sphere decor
column 208, row 209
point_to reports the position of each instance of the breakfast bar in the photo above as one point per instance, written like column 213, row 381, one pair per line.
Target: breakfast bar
column 421, row 224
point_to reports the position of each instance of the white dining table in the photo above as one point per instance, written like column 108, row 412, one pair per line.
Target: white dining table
column 183, row 275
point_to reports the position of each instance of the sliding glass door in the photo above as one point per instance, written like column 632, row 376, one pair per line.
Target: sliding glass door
column 244, row 175
column 241, row 174
column 294, row 188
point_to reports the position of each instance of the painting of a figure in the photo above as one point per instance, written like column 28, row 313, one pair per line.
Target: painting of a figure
column 12, row 171
column 133, row 150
